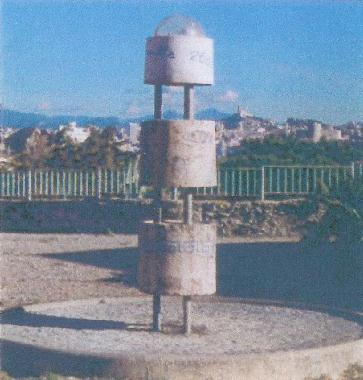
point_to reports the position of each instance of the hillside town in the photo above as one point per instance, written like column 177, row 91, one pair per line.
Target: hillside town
column 231, row 133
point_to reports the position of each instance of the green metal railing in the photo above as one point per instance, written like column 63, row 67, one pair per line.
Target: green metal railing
column 252, row 182
column 69, row 183
column 272, row 180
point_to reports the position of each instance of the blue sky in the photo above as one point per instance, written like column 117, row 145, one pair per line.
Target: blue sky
column 275, row 58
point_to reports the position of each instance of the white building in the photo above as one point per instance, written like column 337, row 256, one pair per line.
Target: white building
column 134, row 133
column 77, row 134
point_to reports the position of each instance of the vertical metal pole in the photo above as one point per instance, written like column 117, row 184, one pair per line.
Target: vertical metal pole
column 322, row 183
column 64, row 184
column 158, row 102
column 75, row 183
column 188, row 209
column 285, row 180
column 270, row 179
column 158, row 216
column 187, row 311
column 124, row 182
column 254, row 182
column 7, row 184
column 29, row 185
column 314, row 180
column 3, row 184
column 58, row 182
column 93, row 180
column 47, row 183
column 247, row 182
column 112, row 187
column 24, row 184
column 262, row 183
column 99, row 180
column 293, row 180
column 225, row 182
column 86, row 184
column 337, row 178
column 81, row 183
column 157, row 315
column 105, row 181
column 13, row 184
column 69, row 187
column 175, row 193
column 118, row 182
column 188, row 102
column 307, row 180
column 36, row 182
column 51, row 183
column 240, row 183
column 278, row 180
column 233, row 183
column 41, row 182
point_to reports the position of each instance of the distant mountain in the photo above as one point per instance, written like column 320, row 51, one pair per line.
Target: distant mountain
column 11, row 118
column 211, row 114
column 16, row 119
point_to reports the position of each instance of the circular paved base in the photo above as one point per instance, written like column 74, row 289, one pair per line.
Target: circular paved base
column 116, row 334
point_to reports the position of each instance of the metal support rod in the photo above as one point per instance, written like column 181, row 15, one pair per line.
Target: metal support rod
column 158, row 102
column 188, row 209
column 175, row 193
column 352, row 168
column 188, row 102
column 29, row 185
column 187, row 311
column 158, row 216
column 262, row 183
column 157, row 316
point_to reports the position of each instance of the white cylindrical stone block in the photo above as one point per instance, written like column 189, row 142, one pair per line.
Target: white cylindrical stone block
column 178, row 60
column 177, row 259
column 178, row 153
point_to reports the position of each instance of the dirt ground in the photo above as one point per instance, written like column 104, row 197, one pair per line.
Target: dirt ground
column 55, row 267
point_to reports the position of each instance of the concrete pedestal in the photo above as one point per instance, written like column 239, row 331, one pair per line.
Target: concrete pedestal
column 178, row 153
column 179, row 60
column 177, row 259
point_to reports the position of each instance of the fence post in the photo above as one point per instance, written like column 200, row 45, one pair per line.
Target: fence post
column 262, row 183
column 29, row 185
column 99, row 178
column 175, row 193
column 353, row 169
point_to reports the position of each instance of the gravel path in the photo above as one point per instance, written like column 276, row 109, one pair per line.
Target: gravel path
column 122, row 326
column 52, row 267
column 40, row 268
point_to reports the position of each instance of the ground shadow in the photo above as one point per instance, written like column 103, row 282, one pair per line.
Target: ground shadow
column 20, row 317
column 22, row 360
column 292, row 272
column 78, row 216
column 123, row 260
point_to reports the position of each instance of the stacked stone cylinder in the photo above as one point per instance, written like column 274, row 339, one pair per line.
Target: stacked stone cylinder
column 177, row 257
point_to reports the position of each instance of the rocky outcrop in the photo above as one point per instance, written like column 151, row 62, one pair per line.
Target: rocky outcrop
column 234, row 218
column 251, row 218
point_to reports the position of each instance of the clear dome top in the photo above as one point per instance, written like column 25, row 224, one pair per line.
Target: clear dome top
column 179, row 25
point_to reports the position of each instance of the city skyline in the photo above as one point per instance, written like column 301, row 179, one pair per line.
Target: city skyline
column 275, row 58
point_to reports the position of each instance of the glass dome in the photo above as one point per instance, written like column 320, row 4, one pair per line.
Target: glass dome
column 179, row 25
